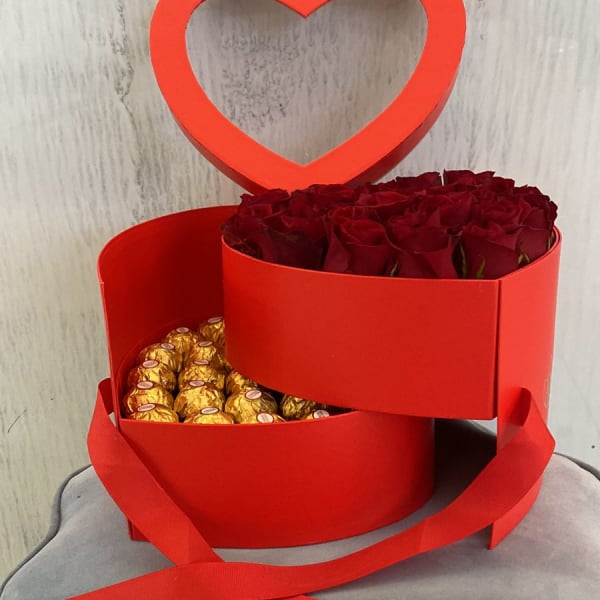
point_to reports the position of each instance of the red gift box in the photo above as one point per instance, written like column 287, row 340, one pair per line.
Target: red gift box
column 426, row 348
column 240, row 483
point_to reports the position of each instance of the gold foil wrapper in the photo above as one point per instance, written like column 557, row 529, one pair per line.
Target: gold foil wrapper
column 203, row 370
column 152, row 370
column 183, row 338
column 146, row 392
column 211, row 415
column 213, row 329
column 293, row 407
column 320, row 413
column 236, row 383
column 198, row 395
column 156, row 413
column 206, row 350
column 226, row 364
column 165, row 353
column 244, row 406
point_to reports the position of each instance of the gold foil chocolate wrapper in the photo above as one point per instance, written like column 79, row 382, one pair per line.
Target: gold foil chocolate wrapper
column 213, row 329
column 321, row 413
column 152, row 370
column 226, row 364
column 244, row 406
column 183, row 338
column 202, row 370
column 293, row 407
column 197, row 395
column 236, row 383
column 206, row 350
column 164, row 353
column 146, row 392
column 211, row 415
column 156, row 413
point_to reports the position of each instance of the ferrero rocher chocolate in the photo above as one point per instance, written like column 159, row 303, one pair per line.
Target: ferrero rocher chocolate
column 203, row 370
column 146, row 392
column 244, row 406
column 321, row 413
column 156, row 413
column 164, row 353
column 152, row 370
column 211, row 415
column 195, row 396
column 225, row 364
column 213, row 329
column 292, row 407
column 205, row 350
column 183, row 338
column 236, row 382
column 266, row 417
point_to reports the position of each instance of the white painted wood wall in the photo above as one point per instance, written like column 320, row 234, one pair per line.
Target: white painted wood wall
column 88, row 148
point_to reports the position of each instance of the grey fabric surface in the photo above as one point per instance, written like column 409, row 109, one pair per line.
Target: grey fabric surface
column 553, row 554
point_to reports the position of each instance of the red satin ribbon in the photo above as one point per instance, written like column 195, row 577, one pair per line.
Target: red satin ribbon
column 200, row 573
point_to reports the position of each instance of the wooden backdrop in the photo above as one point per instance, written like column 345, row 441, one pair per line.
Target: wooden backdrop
column 88, row 148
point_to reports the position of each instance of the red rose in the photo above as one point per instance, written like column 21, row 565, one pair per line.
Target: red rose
column 251, row 236
column 454, row 208
column 537, row 229
column 325, row 196
column 406, row 227
column 357, row 246
column 422, row 246
column 489, row 251
column 263, row 204
column 384, row 204
column 467, row 180
column 348, row 213
column 468, row 177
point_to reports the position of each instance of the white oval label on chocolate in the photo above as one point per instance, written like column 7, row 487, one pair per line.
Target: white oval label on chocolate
column 201, row 363
column 167, row 346
column 144, row 385
column 214, row 320
column 146, row 407
column 209, row 410
column 265, row 418
column 319, row 414
column 205, row 344
column 253, row 394
column 182, row 329
column 150, row 364
column 197, row 383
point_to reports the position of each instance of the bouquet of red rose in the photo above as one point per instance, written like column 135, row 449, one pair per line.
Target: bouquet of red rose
column 464, row 224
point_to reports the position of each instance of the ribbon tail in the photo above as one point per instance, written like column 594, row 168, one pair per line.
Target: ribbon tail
column 502, row 483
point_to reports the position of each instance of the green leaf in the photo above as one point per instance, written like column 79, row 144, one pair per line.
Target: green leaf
column 479, row 274
column 463, row 264
column 394, row 270
column 523, row 258
column 551, row 240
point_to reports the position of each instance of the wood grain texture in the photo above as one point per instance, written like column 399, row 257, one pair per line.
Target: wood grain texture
column 88, row 148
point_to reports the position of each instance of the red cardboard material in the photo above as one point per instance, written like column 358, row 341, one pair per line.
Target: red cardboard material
column 446, row 348
column 253, row 480
column 366, row 156
column 428, row 347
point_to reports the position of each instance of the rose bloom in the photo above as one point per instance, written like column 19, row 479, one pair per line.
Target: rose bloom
column 461, row 224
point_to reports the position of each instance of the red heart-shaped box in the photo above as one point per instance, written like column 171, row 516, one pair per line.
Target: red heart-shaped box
column 367, row 155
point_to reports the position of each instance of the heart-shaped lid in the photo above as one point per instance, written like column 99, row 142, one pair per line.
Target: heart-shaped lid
column 365, row 156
